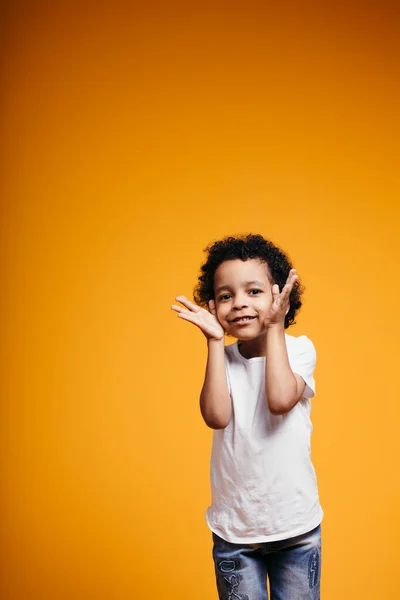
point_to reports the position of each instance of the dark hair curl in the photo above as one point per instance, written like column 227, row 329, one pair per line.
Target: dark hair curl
column 244, row 247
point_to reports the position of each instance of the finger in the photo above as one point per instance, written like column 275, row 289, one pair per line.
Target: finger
column 188, row 316
column 286, row 291
column 275, row 291
column 211, row 306
column 193, row 318
column 190, row 305
column 291, row 275
column 282, row 298
column 178, row 308
column 291, row 280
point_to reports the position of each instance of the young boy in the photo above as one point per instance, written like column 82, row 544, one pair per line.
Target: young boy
column 265, row 514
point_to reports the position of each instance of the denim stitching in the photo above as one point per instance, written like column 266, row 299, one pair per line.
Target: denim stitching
column 234, row 583
column 227, row 566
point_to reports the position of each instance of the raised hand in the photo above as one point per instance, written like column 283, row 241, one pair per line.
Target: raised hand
column 204, row 320
column 280, row 304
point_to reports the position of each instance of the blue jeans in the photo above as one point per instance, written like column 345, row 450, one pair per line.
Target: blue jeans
column 293, row 567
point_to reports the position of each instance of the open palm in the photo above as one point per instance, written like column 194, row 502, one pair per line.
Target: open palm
column 204, row 320
column 281, row 300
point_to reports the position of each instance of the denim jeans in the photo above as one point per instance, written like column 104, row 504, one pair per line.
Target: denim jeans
column 293, row 567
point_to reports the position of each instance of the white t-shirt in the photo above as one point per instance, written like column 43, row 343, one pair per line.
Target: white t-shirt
column 263, row 483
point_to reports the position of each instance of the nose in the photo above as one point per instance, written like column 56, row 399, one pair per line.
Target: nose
column 239, row 302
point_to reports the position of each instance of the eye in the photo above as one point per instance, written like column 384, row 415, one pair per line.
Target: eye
column 224, row 297
column 255, row 292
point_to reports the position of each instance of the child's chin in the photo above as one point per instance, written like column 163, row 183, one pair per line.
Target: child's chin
column 246, row 334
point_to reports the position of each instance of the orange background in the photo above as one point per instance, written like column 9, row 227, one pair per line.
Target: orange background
column 133, row 135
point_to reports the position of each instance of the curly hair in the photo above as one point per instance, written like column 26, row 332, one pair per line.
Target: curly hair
column 244, row 247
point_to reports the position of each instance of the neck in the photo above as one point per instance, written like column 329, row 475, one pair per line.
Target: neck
column 253, row 348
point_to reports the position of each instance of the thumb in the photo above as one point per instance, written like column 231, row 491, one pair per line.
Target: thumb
column 211, row 306
column 275, row 291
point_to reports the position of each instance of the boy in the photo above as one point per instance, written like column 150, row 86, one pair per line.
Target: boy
column 265, row 514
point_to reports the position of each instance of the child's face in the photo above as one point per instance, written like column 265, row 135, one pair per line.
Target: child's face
column 243, row 297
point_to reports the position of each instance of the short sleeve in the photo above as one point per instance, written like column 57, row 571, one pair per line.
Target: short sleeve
column 302, row 359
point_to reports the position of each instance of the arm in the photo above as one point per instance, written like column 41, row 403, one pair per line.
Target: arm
column 283, row 387
column 215, row 400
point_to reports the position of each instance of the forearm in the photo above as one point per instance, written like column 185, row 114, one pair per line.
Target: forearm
column 215, row 400
column 280, row 382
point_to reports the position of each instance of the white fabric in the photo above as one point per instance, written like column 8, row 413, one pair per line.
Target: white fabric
column 263, row 483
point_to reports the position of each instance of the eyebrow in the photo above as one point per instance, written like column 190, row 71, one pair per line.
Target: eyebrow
column 226, row 287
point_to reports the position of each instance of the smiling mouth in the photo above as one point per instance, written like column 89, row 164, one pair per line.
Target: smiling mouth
column 243, row 319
